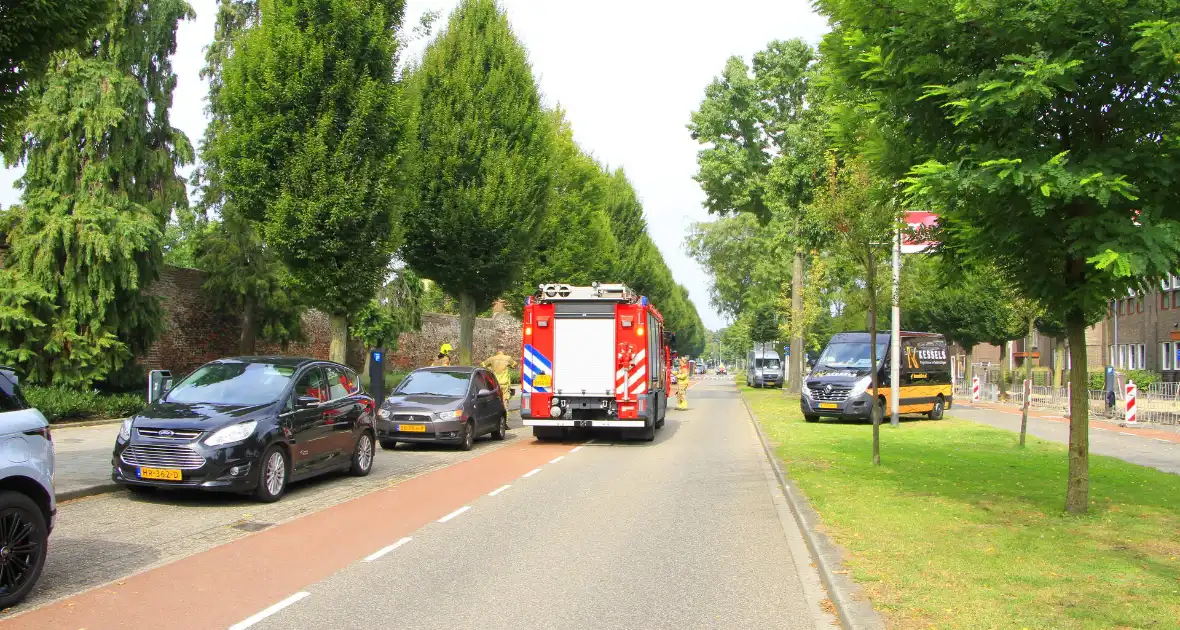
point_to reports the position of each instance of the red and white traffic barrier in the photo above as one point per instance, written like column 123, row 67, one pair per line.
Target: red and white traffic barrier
column 1132, row 391
column 975, row 389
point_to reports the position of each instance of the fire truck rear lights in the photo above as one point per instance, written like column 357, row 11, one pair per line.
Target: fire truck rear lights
column 626, row 322
column 528, row 331
column 543, row 322
column 639, row 331
column 555, row 411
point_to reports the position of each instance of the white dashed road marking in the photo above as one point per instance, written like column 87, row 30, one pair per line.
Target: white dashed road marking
column 454, row 514
column 557, row 459
column 249, row 621
column 385, row 550
column 499, row 490
column 575, row 449
column 531, row 473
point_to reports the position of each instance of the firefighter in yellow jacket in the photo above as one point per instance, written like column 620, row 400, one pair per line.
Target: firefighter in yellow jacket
column 444, row 356
column 682, row 385
column 499, row 364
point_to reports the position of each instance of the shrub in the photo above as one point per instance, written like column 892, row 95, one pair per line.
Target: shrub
column 65, row 404
column 1142, row 378
column 1097, row 380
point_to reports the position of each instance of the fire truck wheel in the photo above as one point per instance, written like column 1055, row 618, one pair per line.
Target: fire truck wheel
column 548, row 434
column 498, row 434
column 647, row 434
column 660, row 423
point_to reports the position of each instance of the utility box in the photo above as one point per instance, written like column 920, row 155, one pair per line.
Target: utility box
column 377, row 375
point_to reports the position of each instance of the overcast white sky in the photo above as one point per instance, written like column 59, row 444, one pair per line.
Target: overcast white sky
column 628, row 73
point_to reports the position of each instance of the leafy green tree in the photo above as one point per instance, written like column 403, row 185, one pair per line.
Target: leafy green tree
column 762, row 154
column 30, row 33
column 1041, row 128
column 308, row 147
column 100, row 183
column 743, row 259
column 575, row 244
column 396, row 309
column 851, row 201
column 481, row 162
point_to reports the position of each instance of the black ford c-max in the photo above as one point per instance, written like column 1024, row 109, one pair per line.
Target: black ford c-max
column 251, row 425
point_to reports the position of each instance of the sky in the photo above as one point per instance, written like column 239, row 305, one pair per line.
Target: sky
column 628, row 73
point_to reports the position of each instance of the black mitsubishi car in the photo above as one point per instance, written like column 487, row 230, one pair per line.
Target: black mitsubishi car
column 250, row 425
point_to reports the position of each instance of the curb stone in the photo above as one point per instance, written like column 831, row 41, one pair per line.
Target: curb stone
column 852, row 606
column 88, row 491
column 86, row 423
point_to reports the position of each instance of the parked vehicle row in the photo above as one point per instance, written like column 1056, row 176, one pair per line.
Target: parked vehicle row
column 255, row 424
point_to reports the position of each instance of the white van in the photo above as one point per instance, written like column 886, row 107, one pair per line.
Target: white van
column 764, row 368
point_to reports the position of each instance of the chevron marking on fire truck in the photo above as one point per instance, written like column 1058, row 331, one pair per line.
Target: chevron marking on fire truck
column 535, row 364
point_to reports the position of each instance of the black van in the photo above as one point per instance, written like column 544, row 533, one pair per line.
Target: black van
column 839, row 384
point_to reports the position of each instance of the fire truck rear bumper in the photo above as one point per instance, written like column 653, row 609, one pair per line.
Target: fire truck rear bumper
column 605, row 424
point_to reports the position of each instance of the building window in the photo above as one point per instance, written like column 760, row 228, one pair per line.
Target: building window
column 1165, row 356
column 1110, row 355
column 1175, row 299
column 1122, row 360
column 1130, row 305
column 1165, row 301
column 1142, row 356
column 1138, row 306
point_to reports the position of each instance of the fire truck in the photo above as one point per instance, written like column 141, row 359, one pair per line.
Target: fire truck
column 593, row 357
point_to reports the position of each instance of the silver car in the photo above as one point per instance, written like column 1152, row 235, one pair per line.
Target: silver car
column 27, row 506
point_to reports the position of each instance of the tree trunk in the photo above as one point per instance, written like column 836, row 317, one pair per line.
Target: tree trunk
column 874, row 414
column 1026, row 394
column 466, row 328
column 249, row 338
column 795, row 377
column 338, row 351
column 1059, row 361
column 1004, row 370
column 1077, row 494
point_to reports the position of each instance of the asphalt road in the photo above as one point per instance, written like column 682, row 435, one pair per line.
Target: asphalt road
column 1124, row 444
column 679, row 533
column 688, row 531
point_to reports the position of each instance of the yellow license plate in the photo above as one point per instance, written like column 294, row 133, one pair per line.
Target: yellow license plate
column 543, row 380
column 166, row 474
column 829, row 406
column 412, row 428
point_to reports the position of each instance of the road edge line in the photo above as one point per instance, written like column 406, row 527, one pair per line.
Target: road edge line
column 452, row 515
column 854, row 614
column 376, row 555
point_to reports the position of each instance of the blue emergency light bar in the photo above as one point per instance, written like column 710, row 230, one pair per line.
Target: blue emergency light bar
column 642, row 301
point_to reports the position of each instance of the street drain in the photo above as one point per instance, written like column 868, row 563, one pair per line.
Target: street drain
column 251, row 526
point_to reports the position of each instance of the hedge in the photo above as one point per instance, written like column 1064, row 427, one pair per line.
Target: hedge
column 61, row 404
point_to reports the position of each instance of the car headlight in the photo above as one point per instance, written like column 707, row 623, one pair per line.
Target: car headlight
column 231, row 434
column 860, row 387
column 384, row 413
column 806, row 391
column 125, row 430
column 449, row 415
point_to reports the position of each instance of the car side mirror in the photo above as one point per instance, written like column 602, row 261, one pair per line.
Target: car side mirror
column 483, row 393
column 159, row 382
column 306, row 402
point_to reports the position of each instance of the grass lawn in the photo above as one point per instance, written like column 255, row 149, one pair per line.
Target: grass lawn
column 960, row 528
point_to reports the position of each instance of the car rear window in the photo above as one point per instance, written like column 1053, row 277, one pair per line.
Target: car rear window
column 233, row 384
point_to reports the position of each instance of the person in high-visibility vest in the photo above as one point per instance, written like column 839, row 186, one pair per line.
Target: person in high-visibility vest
column 499, row 364
column 682, row 385
column 444, row 356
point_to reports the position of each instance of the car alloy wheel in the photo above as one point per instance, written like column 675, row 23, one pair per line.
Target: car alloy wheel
column 272, row 476
column 23, row 537
column 468, row 435
column 362, row 459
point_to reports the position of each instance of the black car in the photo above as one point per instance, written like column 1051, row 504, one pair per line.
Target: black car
column 450, row 405
column 251, row 425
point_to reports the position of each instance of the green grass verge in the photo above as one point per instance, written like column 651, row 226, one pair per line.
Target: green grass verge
column 960, row 528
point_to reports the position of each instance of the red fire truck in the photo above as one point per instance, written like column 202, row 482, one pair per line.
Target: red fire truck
column 593, row 357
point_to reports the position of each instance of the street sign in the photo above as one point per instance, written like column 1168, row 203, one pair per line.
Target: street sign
column 912, row 241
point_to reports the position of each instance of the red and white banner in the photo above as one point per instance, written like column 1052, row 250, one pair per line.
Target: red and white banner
column 912, row 240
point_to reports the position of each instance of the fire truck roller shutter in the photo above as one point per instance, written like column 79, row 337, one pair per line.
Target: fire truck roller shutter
column 584, row 356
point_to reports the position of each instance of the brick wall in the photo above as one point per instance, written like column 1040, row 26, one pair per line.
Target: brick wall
column 418, row 349
column 195, row 333
column 1149, row 320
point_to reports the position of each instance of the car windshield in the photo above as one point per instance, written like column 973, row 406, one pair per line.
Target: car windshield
column 854, row 354
column 233, row 384
column 768, row 363
column 430, row 383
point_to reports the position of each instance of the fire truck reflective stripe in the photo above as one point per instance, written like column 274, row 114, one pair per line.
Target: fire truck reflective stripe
column 534, row 363
column 638, row 371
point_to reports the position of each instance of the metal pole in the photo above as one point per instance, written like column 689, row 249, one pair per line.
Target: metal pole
column 895, row 342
